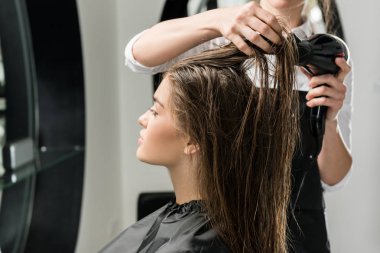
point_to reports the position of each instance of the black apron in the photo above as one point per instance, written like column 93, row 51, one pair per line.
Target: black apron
column 307, row 211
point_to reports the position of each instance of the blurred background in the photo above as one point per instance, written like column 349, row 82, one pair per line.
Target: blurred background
column 70, row 106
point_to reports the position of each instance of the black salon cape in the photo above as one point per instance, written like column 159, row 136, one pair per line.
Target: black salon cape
column 172, row 228
column 306, row 216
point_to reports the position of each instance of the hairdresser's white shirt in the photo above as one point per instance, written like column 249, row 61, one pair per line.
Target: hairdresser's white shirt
column 303, row 31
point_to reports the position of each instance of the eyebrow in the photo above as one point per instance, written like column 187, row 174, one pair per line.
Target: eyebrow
column 158, row 102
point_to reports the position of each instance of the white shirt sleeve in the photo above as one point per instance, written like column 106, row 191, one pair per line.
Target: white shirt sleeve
column 137, row 67
column 344, row 124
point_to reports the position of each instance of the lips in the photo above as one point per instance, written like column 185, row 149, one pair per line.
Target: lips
column 140, row 140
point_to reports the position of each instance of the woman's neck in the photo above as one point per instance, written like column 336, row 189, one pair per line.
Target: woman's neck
column 184, row 182
column 291, row 14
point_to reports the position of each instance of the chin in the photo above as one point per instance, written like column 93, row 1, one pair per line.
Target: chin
column 144, row 158
column 140, row 156
column 285, row 4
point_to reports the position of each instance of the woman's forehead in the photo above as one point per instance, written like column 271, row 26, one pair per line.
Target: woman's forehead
column 162, row 94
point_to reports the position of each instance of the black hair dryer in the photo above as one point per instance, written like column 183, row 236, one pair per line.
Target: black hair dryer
column 316, row 55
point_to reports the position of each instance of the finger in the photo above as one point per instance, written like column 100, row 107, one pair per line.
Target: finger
column 344, row 68
column 323, row 101
column 255, row 38
column 268, row 18
column 241, row 45
column 328, row 79
column 264, row 29
column 325, row 91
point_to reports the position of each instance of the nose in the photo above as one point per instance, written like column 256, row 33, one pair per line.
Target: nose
column 142, row 120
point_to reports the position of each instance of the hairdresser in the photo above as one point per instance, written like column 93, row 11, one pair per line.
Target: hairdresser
column 156, row 49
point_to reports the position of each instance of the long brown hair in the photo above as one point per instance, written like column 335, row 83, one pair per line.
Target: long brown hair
column 331, row 17
column 246, row 135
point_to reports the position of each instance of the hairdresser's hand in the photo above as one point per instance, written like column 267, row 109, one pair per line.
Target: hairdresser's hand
column 247, row 22
column 332, row 94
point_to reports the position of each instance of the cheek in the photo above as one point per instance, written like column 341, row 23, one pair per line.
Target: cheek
column 162, row 145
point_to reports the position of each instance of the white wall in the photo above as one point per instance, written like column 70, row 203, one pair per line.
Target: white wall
column 115, row 97
column 354, row 212
column 102, row 211
column 135, row 97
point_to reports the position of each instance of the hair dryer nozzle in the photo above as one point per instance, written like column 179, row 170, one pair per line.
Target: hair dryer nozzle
column 317, row 53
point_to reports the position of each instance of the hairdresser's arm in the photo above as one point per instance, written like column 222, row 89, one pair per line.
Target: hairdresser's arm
column 171, row 38
column 335, row 159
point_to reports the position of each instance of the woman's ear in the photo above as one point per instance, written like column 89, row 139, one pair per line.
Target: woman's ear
column 191, row 148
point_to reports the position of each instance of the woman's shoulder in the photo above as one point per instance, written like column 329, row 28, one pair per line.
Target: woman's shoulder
column 189, row 230
column 130, row 239
column 172, row 228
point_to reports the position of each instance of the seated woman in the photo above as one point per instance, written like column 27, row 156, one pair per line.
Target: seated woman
column 228, row 146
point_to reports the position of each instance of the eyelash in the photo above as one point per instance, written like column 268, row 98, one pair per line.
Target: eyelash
column 153, row 112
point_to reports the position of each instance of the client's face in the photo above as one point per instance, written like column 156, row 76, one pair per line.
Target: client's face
column 160, row 142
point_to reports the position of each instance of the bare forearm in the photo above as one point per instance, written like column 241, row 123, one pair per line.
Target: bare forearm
column 334, row 160
column 171, row 38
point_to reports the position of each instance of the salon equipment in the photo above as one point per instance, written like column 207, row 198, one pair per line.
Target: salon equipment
column 316, row 55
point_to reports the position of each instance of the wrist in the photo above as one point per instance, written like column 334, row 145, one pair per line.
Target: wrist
column 210, row 23
column 331, row 125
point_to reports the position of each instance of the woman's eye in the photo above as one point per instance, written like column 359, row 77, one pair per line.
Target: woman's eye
column 153, row 112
